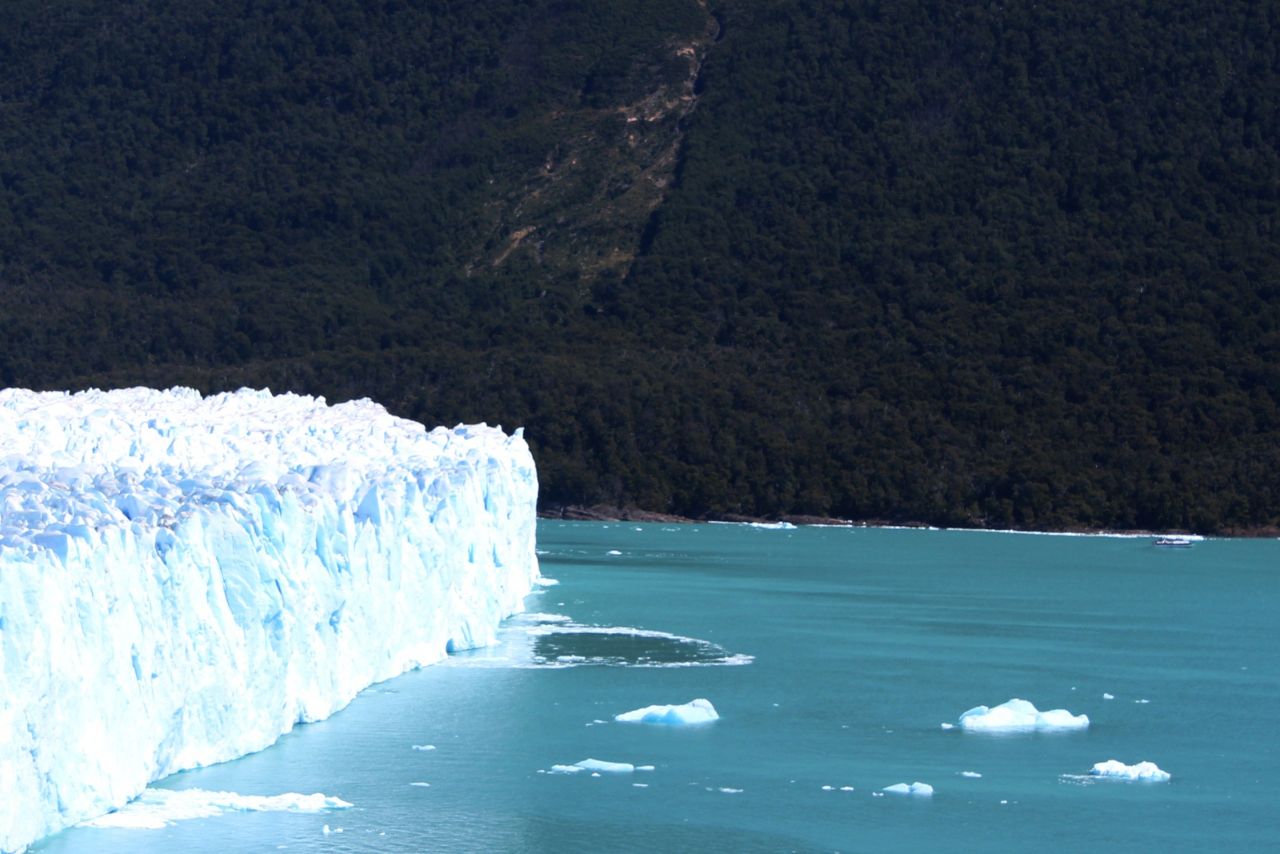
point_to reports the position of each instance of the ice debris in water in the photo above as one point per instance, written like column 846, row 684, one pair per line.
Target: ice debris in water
column 157, row 808
column 1020, row 716
column 917, row 788
column 598, row 765
column 189, row 577
column 699, row 711
column 1114, row 769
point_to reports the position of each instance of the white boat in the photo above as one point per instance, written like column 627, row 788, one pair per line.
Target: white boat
column 1173, row 542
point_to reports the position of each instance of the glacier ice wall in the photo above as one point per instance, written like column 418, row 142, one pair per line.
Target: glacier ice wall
column 183, row 579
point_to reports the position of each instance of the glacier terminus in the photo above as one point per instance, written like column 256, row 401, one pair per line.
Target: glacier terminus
column 185, row 578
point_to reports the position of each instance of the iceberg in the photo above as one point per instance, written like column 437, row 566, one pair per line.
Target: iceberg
column 922, row 790
column 185, row 578
column 1020, row 716
column 599, row 765
column 1117, row 770
column 698, row 711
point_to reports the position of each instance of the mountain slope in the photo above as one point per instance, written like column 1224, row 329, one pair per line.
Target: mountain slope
column 1003, row 266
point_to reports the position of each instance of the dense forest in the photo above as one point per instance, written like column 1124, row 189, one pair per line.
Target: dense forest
column 1006, row 265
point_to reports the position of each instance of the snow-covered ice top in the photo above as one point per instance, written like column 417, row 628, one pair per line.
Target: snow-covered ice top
column 182, row 578
column 110, row 458
column 1115, row 769
column 1020, row 716
column 699, row 711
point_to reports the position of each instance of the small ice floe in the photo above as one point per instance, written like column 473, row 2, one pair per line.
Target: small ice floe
column 157, row 808
column 597, row 766
column 699, row 711
column 540, row 617
column 1020, row 716
column 421, row 784
column 424, row 747
column 326, row 830
column 640, row 785
column 1142, row 702
column 948, row 726
column 846, row 788
column 546, row 582
column 972, row 774
column 1115, row 770
column 923, row 790
column 1107, row 696
column 828, row 788
column 613, row 552
column 729, row 791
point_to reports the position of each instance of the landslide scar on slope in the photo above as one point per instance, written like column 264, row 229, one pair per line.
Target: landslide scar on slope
column 584, row 207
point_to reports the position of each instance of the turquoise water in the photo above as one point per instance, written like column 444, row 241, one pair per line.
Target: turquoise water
column 833, row 656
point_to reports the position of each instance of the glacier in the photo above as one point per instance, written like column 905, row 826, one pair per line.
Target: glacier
column 185, row 578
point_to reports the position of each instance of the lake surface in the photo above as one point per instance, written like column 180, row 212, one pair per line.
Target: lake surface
column 833, row 656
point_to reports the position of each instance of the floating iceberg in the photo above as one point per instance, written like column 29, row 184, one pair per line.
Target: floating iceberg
column 157, row 808
column 698, row 711
column 183, row 579
column 1020, row 716
column 598, row 766
column 1115, row 769
column 923, row 790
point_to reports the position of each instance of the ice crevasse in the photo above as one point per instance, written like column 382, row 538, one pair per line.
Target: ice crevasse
column 185, row 578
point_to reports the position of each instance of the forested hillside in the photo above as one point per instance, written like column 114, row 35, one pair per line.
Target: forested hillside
column 974, row 264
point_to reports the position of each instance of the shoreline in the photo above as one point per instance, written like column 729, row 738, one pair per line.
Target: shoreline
column 613, row 513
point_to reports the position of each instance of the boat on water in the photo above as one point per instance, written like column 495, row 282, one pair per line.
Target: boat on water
column 1173, row 542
